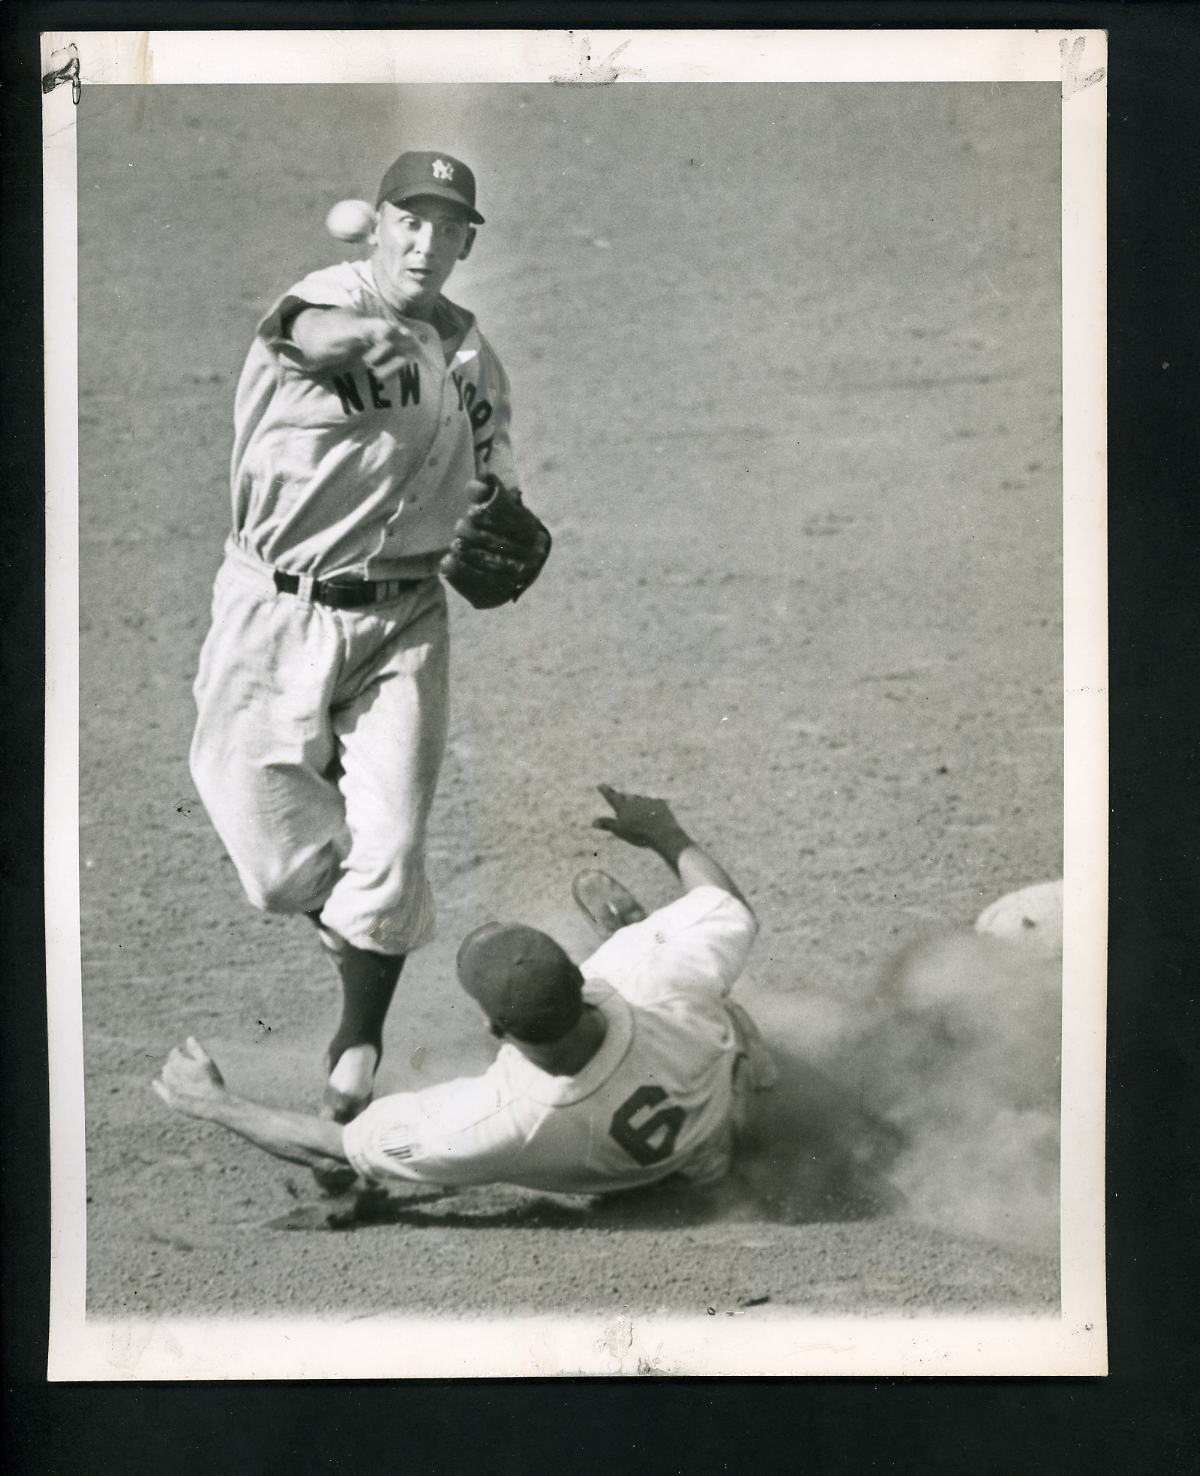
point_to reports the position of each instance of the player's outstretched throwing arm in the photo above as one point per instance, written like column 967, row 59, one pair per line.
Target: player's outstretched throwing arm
column 329, row 338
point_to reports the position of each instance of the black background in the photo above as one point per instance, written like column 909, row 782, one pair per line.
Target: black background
column 1144, row 1415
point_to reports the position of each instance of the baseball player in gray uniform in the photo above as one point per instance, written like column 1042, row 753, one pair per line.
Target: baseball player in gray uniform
column 371, row 452
column 628, row 1069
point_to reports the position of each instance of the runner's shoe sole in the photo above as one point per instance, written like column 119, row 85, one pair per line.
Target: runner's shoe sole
column 606, row 904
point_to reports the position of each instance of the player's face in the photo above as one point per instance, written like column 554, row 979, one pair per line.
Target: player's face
column 417, row 245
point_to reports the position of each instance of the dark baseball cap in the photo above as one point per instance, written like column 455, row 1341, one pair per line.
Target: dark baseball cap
column 526, row 984
column 416, row 174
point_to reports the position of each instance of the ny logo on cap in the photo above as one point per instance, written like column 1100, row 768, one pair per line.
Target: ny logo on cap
column 442, row 170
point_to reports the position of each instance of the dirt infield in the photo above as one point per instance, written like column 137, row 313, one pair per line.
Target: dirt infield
column 786, row 375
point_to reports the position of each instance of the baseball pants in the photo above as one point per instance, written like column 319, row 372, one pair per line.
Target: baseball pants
column 318, row 742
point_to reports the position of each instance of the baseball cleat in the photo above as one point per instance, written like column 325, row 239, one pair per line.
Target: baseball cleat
column 606, row 904
column 351, row 1084
column 348, row 1092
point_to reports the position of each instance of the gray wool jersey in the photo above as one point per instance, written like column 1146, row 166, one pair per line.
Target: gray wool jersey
column 341, row 473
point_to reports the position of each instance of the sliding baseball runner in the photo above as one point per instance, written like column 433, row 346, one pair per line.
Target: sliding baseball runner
column 633, row 1067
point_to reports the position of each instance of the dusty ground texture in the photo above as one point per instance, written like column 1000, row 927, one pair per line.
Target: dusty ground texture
column 787, row 390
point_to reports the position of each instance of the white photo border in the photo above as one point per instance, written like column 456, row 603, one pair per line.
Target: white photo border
column 385, row 1347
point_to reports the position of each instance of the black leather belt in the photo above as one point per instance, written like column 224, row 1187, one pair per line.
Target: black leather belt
column 347, row 594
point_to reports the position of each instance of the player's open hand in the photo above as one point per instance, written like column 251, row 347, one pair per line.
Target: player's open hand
column 638, row 820
column 190, row 1081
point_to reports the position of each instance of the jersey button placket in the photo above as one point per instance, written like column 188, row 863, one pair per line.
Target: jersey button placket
column 440, row 420
column 414, row 490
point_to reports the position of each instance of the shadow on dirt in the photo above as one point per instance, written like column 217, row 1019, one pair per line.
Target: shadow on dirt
column 812, row 1154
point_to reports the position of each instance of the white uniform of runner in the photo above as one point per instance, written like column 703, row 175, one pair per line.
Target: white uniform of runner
column 320, row 731
column 661, row 1095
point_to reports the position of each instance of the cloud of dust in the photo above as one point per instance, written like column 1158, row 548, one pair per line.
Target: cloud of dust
column 937, row 1097
column 813, row 1153
column 963, row 1058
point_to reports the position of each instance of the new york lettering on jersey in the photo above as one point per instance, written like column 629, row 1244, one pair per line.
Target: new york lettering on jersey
column 347, row 472
column 360, row 391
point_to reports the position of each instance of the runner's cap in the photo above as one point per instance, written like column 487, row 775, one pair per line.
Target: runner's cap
column 526, row 984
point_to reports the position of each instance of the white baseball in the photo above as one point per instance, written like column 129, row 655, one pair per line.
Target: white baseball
column 350, row 220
